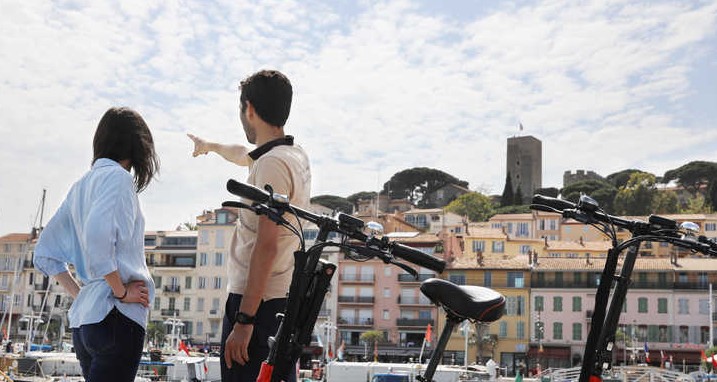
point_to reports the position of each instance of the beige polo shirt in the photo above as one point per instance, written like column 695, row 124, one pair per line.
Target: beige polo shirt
column 286, row 169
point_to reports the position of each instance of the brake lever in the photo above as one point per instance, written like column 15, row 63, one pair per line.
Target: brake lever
column 235, row 204
column 405, row 267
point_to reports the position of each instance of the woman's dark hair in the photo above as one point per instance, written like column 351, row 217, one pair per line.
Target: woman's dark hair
column 123, row 134
column 270, row 92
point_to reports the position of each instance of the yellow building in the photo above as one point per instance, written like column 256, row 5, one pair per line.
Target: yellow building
column 506, row 341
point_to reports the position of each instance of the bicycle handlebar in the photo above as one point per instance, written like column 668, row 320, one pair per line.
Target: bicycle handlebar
column 268, row 203
column 586, row 212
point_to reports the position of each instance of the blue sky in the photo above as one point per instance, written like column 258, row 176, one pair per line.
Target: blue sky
column 380, row 86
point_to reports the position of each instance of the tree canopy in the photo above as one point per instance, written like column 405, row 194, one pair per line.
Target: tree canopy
column 334, row 202
column 476, row 206
column 693, row 176
column 413, row 184
column 637, row 196
column 620, row 178
column 363, row 195
column 602, row 191
column 507, row 198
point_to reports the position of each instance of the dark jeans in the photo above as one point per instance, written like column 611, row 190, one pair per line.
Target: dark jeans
column 266, row 325
column 110, row 350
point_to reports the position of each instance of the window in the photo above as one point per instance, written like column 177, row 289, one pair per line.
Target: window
column 498, row 246
column 200, row 304
column 558, row 279
column 386, row 292
column 539, row 303
column 200, row 328
column 503, row 329
column 478, row 245
column 704, row 307
column 188, row 282
column 516, row 280
column 557, row 330
column 557, row 304
column 524, row 249
column 215, row 303
column 187, row 302
column 642, row 305
column 387, row 271
column 202, row 282
column 386, row 315
column 522, row 230
column 577, row 331
column 202, row 258
column 514, row 305
column 577, row 278
column 661, row 305
column 203, row 237
column 219, row 259
column 458, row 279
column 487, row 279
column 552, row 224
column 683, row 306
column 157, row 281
column 217, row 283
column 520, row 329
column 577, row 304
column 220, row 239
column 710, row 226
column 157, row 303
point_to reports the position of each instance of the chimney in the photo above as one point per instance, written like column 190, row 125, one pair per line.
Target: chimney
column 479, row 258
column 545, row 238
column 587, row 258
column 581, row 241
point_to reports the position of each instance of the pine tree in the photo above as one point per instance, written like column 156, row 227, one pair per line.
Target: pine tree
column 518, row 197
column 507, row 198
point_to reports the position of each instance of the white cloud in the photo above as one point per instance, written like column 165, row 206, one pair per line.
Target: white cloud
column 379, row 88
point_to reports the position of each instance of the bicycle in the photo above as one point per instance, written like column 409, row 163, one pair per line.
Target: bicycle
column 597, row 357
column 312, row 276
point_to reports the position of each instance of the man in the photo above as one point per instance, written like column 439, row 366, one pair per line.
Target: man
column 261, row 259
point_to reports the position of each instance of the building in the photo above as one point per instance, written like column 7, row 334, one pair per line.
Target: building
column 570, row 177
column 524, row 165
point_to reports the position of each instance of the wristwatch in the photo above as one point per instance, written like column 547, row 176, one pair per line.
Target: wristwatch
column 244, row 319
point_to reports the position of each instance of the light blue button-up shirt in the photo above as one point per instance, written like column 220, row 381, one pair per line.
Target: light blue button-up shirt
column 99, row 228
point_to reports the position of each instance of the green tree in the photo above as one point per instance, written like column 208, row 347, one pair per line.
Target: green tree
column 363, row 195
column 156, row 332
column 602, row 191
column 693, row 176
column 522, row 209
column 712, row 195
column 476, row 206
column 696, row 205
column 619, row 179
column 637, row 195
column 334, row 202
column 507, row 198
column 413, row 184
column 665, row 202
column 372, row 337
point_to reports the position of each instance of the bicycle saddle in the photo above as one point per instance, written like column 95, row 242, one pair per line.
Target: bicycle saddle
column 465, row 301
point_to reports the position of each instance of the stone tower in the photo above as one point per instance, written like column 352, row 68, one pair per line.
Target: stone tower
column 525, row 165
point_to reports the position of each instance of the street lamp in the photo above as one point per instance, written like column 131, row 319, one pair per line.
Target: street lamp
column 175, row 323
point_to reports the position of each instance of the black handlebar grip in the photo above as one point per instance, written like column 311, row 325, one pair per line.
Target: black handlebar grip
column 247, row 191
column 417, row 257
column 558, row 204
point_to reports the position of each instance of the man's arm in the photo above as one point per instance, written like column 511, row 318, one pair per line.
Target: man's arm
column 68, row 283
column 262, row 260
column 237, row 154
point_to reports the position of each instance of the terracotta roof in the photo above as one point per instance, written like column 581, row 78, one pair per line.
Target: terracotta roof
column 696, row 264
column 468, row 261
column 511, row 217
column 646, row 264
column 15, row 237
column 420, row 238
column 486, row 232
column 602, row 245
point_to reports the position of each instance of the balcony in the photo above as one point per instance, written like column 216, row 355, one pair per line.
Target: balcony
column 215, row 313
column 40, row 287
column 356, row 299
column 416, row 322
column 353, row 278
column 169, row 312
column 413, row 300
column 406, row 278
column 27, row 264
column 588, row 316
column 171, row 288
column 355, row 321
column 692, row 285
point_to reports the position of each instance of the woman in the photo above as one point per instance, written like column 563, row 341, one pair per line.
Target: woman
column 99, row 229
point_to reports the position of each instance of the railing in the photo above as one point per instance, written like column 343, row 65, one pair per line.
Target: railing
column 620, row 373
column 169, row 312
column 350, row 277
column 357, row 299
column 325, row 313
column 214, row 312
column 406, row 278
column 355, row 321
column 414, row 321
column 413, row 300
column 40, row 287
column 171, row 288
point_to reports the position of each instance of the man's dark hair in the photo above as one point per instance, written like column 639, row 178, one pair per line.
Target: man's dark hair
column 270, row 92
column 123, row 134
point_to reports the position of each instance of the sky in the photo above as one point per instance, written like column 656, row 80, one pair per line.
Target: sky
column 379, row 87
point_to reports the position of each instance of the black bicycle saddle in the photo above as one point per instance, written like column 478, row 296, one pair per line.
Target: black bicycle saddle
column 465, row 301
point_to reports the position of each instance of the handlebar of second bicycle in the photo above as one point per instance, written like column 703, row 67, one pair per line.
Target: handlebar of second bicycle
column 341, row 223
